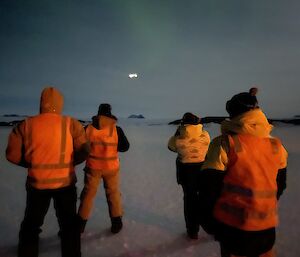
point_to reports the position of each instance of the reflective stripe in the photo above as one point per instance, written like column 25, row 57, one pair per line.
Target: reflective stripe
column 63, row 140
column 113, row 158
column 61, row 163
column 65, row 180
column 243, row 214
column 51, row 166
column 248, row 191
column 88, row 169
column 104, row 143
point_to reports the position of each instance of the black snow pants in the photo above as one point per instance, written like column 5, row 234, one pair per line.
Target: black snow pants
column 37, row 205
column 188, row 175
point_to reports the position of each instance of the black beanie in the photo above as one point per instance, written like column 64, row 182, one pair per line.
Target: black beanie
column 189, row 118
column 241, row 103
column 105, row 110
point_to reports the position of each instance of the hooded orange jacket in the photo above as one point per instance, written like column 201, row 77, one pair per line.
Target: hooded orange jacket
column 48, row 144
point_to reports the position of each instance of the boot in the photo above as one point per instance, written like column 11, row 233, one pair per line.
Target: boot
column 116, row 225
column 80, row 223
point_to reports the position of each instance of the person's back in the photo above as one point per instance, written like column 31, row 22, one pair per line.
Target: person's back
column 49, row 145
column 191, row 143
column 107, row 139
column 190, row 140
column 245, row 170
column 250, row 183
column 104, row 145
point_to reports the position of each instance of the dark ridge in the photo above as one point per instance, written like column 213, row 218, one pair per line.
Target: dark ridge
column 216, row 119
column 10, row 115
column 213, row 119
column 10, row 123
column 288, row 121
column 204, row 120
column 16, row 122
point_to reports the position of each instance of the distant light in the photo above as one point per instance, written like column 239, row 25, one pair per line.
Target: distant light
column 132, row 75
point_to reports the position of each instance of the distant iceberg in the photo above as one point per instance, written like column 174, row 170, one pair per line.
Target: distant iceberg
column 136, row 116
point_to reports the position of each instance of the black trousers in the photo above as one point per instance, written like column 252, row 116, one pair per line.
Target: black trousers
column 191, row 209
column 37, row 205
column 245, row 243
column 188, row 175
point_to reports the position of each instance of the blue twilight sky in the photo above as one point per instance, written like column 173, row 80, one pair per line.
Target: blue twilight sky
column 190, row 55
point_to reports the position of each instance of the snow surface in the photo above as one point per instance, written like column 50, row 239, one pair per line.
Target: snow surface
column 153, row 220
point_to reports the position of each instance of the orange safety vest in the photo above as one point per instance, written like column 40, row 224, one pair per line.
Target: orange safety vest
column 104, row 148
column 49, row 151
column 248, row 199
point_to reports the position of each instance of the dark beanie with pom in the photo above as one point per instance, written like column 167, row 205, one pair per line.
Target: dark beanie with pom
column 241, row 103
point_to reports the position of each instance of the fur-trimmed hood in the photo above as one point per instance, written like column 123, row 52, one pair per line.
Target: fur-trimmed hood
column 253, row 122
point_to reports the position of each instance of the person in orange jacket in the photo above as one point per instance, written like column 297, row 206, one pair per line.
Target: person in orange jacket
column 49, row 145
column 245, row 172
column 191, row 143
column 106, row 139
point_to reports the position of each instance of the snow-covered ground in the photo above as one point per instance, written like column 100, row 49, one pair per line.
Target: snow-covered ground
column 153, row 220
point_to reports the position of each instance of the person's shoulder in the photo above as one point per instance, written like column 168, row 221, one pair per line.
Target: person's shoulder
column 30, row 118
column 204, row 136
column 205, row 133
column 275, row 139
column 119, row 129
column 73, row 120
column 221, row 141
column 75, row 124
column 19, row 128
column 276, row 142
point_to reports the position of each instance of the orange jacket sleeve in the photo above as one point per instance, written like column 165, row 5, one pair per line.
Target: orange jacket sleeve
column 80, row 142
column 15, row 146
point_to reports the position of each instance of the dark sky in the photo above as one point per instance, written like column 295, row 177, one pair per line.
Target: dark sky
column 190, row 55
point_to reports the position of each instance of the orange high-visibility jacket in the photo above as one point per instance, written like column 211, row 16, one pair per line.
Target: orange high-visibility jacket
column 49, row 151
column 248, row 199
column 104, row 148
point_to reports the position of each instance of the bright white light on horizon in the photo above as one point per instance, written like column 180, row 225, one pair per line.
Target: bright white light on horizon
column 132, row 75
